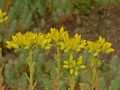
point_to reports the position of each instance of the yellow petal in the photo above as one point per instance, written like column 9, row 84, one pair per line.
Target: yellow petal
column 76, row 73
column 4, row 13
column 0, row 12
column 62, row 30
column 71, row 71
column 65, row 62
column 26, row 47
column 5, row 18
column 1, row 20
column 47, row 47
column 82, row 66
column 110, row 50
column 65, row 66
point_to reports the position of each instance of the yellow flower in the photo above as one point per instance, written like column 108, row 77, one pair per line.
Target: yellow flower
column 99, row 46
column 60, row 38
column 3, row 16
column 43, row 41
column 75, row 44
column 29, row 41
column 78, row 43
column 57, row 35
column 107, row 47
column 73, row 65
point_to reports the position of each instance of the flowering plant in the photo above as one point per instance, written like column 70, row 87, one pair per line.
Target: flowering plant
column 3, row 16
column 74, row 47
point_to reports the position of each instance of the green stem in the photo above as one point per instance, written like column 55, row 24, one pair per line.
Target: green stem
column 71, row 82
column 95, row 85
column 58, row 61
column 57, row 81
column 71, row 77
column 31, row 64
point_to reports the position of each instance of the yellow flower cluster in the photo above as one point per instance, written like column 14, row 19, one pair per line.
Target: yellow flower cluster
column 74, row 44
column 57, row 36
column 74, row 65
column 28, row 41
column 100, row 46
column 3, row 16
column 62, row 40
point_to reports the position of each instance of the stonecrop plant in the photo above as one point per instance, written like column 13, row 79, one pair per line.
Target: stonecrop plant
column 95, row 49
column 64, row 44
column 29, row 42
column 3, row 16
column 70, row 67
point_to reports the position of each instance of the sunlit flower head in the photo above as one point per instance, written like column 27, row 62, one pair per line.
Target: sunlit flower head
column 99, row 46
column 28, row 41
column 57, row 36
column 75, row 44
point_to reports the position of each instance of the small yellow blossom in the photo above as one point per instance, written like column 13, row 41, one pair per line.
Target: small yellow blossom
column 75, row 44
column 3, row 16
column 99, row 46
column 57, row 35
column 73, row 65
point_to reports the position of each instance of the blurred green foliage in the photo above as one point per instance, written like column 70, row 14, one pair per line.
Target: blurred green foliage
column 34, row 15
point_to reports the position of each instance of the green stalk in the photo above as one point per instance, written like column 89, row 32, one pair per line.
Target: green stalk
column 95, row 76
column 71, row 82
column 31, row 64
column 58, row 61
column 57, row 81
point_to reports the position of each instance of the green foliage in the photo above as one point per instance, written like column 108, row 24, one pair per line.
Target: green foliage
column 61, row 8
column 15, row 76
column 115, row 83
column 115, row 66
column 10, row 75
column 109, row 76
column 1, row 4
column 106, row 2
column 102, row 84
column 85, row 6
column 44, row 72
